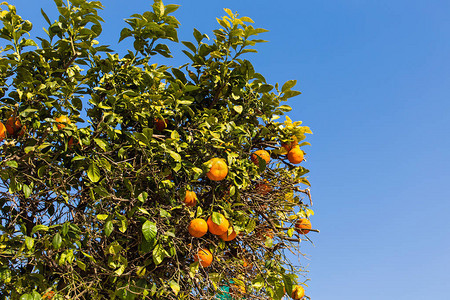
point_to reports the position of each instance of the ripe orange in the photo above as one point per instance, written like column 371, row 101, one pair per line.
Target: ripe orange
column 62, row 119
column 218, row 229
column 190, row 199
column 228, row 237
column 161, row 124
column 238, row 289
column 245, row 263
column 288, row 146
column 269, row 234
column 298, row 292
column 14, row 127
column 71, row 142
column 302, row 226
column 263, row 154
column 205, row 257
column 2, row 131
column 198, row 228
column 296, row 155
column 48, row 295
column 263, row 188
column 218, row 169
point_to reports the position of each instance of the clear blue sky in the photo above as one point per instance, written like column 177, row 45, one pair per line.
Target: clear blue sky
column 375, row 77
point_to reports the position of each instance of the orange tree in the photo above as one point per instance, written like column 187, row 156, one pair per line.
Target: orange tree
column 107, row 159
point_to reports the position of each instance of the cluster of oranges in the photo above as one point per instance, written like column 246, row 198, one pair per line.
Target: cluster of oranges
column 295, row 154
column 199, row 227
column 13, row 128
column 218, row 170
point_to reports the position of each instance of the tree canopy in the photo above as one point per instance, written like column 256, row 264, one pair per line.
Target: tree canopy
column 122, row 178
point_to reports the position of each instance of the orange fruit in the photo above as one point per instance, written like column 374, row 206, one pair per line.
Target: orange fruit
column 48, row 295
column 190, row 199
column 204, row 256
column 228, row 237
column 62, row 119
column 14, row 127
column 198, row 228
column 246, row 264
column 161, row 124
column 288, row 146
column 269, row 234
column 218, row 229
column 263, row 154
column 2, row 131
column 218, row 169
column 302, row 226
column 298, row 292
column 296, row 155
column 238, row 289
column 263, row 188
column 71, row 142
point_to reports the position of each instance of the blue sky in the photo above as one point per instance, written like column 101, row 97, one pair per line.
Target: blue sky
column 375, row 77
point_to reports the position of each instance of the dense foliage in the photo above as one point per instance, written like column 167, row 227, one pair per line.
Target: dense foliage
column 106, row 159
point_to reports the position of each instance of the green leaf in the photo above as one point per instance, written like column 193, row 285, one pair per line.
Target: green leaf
column 101, row 143
column 26, row 297
column 285, row 108
column 45, row 17
column 261, row 164
column 190, row 88
column 102, row 217
column 174, row 286
column 190, row 46
column 175, row 156
column 123, row 225
column 27, row 191
column 29, row 241
column 290, row 232
column 93, row 173
column 265, row 88
column 217, row 218
column 12, row 164
column 229, row 12
column 39, row 228
column 238, row 108
column 158, row 254
column 148, row 132
column 288, row 85
column 109, row 227
column 247, row 19
column 149, row 230
column 143, row 197
column 290, row 94
column 81, row 265
column 57, row 241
